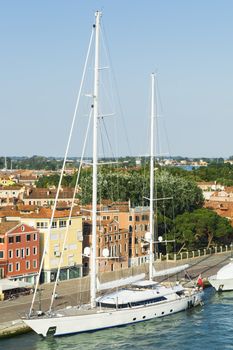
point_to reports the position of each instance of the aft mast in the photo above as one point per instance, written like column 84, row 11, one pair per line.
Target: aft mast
column 152, row 118
column 95, row 159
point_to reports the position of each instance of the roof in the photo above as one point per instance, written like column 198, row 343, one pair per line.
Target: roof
column 40, row 212
column 39, row 193
column 7, row 226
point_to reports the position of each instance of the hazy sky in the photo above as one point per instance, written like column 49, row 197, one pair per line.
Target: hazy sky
column 188, row 42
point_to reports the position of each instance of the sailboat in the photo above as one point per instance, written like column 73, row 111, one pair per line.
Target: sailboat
column 142, row 299
column 223, row 280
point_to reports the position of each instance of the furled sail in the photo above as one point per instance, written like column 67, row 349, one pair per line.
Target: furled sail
column 120, row 283
column 171, row 271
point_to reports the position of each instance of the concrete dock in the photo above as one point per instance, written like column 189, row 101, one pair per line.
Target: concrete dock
column 76, row 291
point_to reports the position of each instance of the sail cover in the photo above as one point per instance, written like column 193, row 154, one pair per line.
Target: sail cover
column 120, row 283
column 171, row 271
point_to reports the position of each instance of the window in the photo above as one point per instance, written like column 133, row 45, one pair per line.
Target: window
column 10, row 254
column 17, row 266
column 42, row 224
column 2, row 240
column 27, row 265
column 54, row 224
column 18, row 239
column 70, row 222
column 62, row 223
column 28, row 238
column 22, row 253
column 11, row 239
column 116, row 218
column 1, row 254
column 27, row 251
column 34, row 250
column 137, row 218
column 34, row 264
column 17, row 253
column 130, row 218
column 35, row 236
column 10, row 267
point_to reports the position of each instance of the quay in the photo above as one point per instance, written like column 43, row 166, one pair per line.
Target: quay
column 76, row 291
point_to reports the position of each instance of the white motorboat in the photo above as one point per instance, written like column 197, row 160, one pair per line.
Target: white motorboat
column 223, row 280
column 142, row 299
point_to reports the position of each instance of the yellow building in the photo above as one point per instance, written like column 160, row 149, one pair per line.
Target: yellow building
column 6, row 181
column 71, row 263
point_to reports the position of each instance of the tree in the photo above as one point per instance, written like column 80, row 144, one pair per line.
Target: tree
column 201, row 228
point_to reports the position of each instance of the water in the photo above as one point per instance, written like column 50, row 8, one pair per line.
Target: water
column 205, row 327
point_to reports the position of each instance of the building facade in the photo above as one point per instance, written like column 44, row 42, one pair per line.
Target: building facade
column 19, row 251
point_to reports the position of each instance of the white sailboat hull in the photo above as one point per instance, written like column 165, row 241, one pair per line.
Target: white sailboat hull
column 225, row 284
column 111, row 318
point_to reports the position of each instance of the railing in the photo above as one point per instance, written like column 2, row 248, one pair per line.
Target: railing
column 194, row 253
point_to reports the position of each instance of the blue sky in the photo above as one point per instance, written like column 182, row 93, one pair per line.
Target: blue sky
column 189, row 44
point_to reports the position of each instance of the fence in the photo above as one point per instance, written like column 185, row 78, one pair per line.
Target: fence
column 195, row 253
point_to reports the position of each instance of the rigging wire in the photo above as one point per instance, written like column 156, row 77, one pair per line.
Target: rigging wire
column 70, row 213
column 61, row 176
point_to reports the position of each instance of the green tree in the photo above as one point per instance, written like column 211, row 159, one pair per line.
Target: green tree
column 201, row 228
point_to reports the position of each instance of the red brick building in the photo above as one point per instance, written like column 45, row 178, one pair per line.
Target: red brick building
column 19, row 251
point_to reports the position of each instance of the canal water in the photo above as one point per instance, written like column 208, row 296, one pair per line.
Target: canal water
column 205, row 327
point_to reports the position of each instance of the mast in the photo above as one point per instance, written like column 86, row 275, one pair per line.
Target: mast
column 95, row 159
column 152, row 118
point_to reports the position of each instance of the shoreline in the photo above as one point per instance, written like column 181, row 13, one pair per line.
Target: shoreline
column 11, row 325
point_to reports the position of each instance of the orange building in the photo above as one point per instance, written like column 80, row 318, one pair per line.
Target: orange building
column 126, row 227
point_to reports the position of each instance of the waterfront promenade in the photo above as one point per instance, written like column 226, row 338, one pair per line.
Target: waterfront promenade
column 76, row 291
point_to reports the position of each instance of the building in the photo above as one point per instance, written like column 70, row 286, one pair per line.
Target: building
column 110, row 237
column 19, row 251
column 52, row 240
column 134, row 222
column 46, row 197
column 10, row 194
